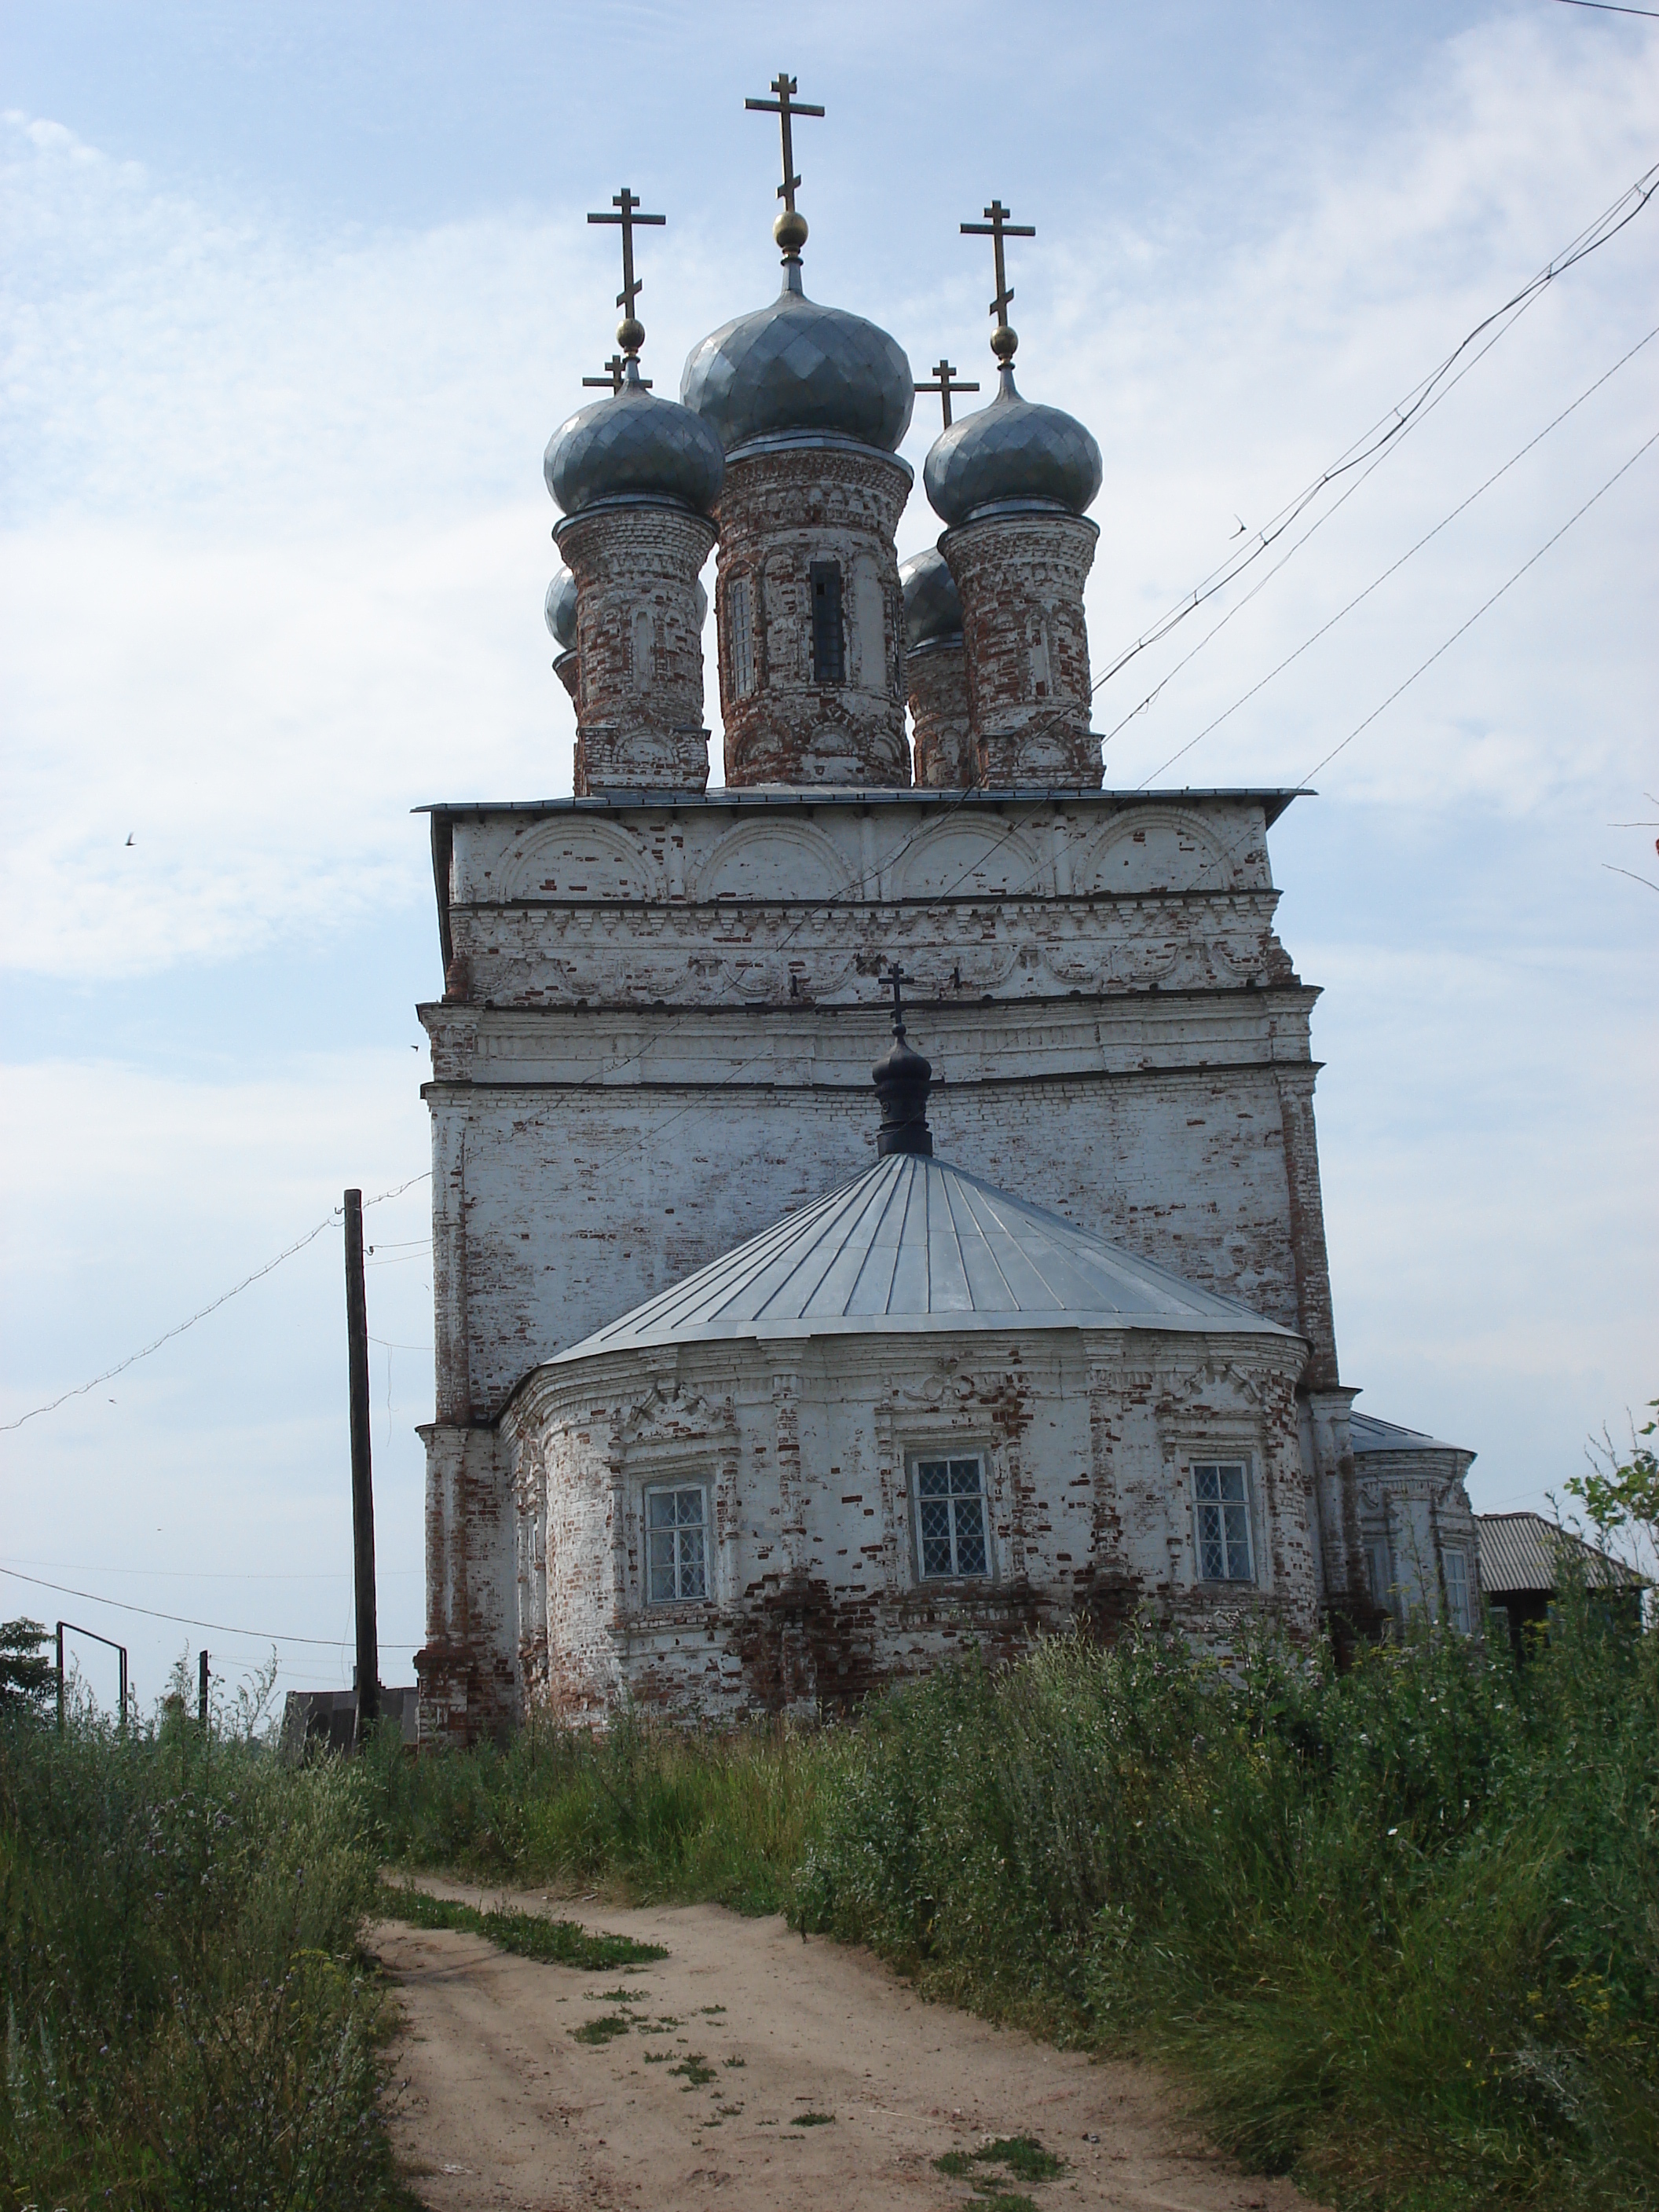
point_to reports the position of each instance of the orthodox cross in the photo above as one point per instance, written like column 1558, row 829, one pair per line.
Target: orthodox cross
column 612, row 378
column 943, row 371
column 997, row 226
column 895, row 977
column 629, row 218
column 784, row 107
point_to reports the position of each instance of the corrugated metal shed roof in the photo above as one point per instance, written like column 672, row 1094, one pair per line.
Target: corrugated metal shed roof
column 1372, row 1435
column 1520, row 1555
column 915, row 1243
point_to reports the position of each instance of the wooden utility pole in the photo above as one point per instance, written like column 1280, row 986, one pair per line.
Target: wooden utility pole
column 362, row 1477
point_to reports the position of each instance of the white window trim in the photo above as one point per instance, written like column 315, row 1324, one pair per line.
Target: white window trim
column 1460, row 1553
column 656, row 1487
column 948, row 1447
column 1219, row 1457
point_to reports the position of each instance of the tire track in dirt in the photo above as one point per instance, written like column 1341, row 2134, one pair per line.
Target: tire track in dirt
column 755, row 2073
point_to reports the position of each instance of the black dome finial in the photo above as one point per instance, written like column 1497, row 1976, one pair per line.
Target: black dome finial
column 903, row 1079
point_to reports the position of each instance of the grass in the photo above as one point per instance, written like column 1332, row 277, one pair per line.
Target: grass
column 188, row 2023
column 1396, row 1925
column 560, row 1942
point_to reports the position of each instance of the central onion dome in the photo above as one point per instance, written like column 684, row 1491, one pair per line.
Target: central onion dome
column 633, row 446
column 932, row 610
column 1013, row 450
column 795, row 366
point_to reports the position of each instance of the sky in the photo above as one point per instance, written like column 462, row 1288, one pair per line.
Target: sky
column 292, row 300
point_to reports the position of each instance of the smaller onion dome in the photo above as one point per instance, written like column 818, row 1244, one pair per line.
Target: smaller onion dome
column 1014, row 449
column 634, row 446
column 931, row 608
column 561, row 608
column 795, row 365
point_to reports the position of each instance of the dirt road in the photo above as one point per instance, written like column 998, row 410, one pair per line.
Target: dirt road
column 755, row 2073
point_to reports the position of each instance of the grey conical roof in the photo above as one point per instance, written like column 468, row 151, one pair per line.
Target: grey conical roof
column 634, row 445
column 932, row 607
column 795, row 365
column 1014, row 449
column 915, row 1244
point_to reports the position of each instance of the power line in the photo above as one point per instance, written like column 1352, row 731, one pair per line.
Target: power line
column 1388, row 430
column 1611, row 8
column 167, row 1335
column 188, row 1621
column 1219, row 859
column 1377, row 581
column 1485, row 604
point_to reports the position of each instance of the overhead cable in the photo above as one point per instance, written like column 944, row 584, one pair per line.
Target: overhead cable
column 1388, row 430
column 167, row 1335
column 187, row 1620
column 1393, row 568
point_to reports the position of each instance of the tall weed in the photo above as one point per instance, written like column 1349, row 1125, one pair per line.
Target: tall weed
column 186, row 2024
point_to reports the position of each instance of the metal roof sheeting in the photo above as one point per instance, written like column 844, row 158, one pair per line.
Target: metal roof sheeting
column 1521, row 1554
column 1371, row 1435
column 915, row 1243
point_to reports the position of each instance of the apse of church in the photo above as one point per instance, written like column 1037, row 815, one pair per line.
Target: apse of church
column 742, row 1401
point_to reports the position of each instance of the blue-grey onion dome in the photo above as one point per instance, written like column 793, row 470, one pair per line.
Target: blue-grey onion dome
column 932, row 608
column 1012, row 449
column 634, row 444
column 797, row 365
column 560, row 609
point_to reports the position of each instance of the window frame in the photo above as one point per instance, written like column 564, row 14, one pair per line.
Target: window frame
column 945, row 1454
column 1460, row 1615
column 740, row 636
column 675, row 1486
column 829, row 630
column 1244, row 1462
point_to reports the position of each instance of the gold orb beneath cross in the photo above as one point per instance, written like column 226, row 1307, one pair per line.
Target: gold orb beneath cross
column 790, row 230
column 630, row 334
column 1004, row 341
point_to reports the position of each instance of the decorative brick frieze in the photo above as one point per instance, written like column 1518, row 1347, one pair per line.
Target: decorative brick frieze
column 1019, row 572
column 638, row 677
column 936, row 677
column 808, row 614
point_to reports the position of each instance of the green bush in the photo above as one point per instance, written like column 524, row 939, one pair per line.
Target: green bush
column 187, row 2024
column 1399, row 1925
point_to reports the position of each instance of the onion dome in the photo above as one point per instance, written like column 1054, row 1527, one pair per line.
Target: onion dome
column 561, row 608
column 1014, row 449
column 634, row 446
column 795, row 366
column 932, row 610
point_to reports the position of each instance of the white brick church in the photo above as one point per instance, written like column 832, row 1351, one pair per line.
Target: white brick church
column 760, row 1383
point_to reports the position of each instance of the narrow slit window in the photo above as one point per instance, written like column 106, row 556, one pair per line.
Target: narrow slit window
column 952, row 1535
column 1222, row 1501
column 1456, row 1568
column 829, row 641
column 676, row 1544
column 740, row 640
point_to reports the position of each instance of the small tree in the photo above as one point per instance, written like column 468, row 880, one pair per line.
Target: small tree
column 26, row 1673
column 1621, row 1497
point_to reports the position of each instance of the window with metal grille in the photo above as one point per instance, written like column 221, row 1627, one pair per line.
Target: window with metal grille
column 1454, row 1570
column 828, row 648
column 1222, row 1501
column 739, row 638
column 676, row 1544
column 952, row 1538
column 1380, row 1561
